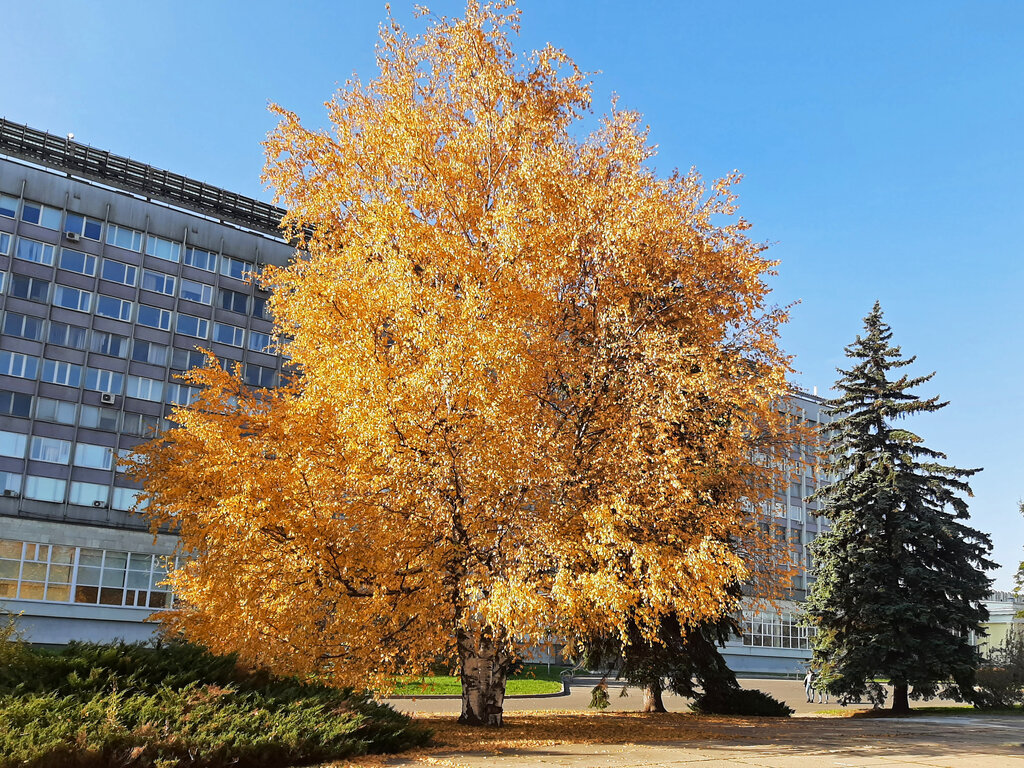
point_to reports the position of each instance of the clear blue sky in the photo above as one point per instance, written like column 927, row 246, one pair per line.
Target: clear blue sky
column 881, row 144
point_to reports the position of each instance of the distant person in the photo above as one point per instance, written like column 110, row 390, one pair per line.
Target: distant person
column 809, row 686
column 822, row 693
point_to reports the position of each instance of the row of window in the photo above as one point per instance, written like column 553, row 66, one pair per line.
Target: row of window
column 103, row 380
column 37, row 289
column 62, row 574
column 128, row 239
column 34, row 328
column 90, row 416
column 112, row 382
column 54, row 451
column 776, row 630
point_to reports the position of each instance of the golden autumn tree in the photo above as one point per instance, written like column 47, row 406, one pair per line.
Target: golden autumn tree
column 530, row 379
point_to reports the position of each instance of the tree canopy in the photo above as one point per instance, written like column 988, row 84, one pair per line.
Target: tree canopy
column 899, row 575
column 536, row 387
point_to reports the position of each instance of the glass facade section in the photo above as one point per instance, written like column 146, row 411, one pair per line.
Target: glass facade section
column 63, row 574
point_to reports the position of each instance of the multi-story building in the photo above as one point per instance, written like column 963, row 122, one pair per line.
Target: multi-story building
column 774, row 640
column 112, row 275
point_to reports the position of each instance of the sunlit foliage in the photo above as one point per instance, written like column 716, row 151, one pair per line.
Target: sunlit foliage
column 537, row 386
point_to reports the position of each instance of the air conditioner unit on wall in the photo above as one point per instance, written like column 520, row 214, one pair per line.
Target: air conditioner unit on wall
column 108, row 398
column 98, row 503
column 11, row 494
column 74, row 237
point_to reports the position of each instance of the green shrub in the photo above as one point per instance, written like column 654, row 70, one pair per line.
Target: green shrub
column 740, row 701
column 93, row 706
column 1000, row 679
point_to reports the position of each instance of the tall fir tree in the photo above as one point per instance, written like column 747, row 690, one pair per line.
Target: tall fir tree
column 900, row 575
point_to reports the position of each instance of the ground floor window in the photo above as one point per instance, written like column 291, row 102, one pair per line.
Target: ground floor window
column 65, row 574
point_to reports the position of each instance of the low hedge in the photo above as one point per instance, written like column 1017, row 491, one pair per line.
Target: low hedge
column 740, row 701
column 96, row 706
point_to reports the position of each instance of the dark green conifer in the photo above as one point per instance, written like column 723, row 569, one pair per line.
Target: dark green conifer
column 899, row 574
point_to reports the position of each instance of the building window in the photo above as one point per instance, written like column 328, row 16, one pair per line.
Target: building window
column 186, row 359
column 163, row 249
column 144, row 389
column 259, row 342
column 23, row 326
column 83, row 225
column 181, row 394
column 198, row 292
column 15, row 364
column 51, row 450
column 104, row 381
column 234, row 301
column 93, row 456
column 154, row 317
column 113, row 344
column 45, row 488
column 76, row 261
column 64, row 574
column 67, row 335
column 776, row 630
column 258, row 375
column 8, row 206
column 31, row 288
column 60, row 411
column 13, row 444
column 5, row 243
column 89, row 494
column 237, row 268
column 15, row 404
column 125, row 238
column 158, row 282
column 119, row 272
column 112, row 307
column 141, row 424
column 33, row 250
column 149, row 352
column 43, row 215
column 95, row 417
column 259, row 307
column 10, row 482
column 228, row 334
column 198, row 258
column 72, row 298
column 190, row 325
column 58, row 372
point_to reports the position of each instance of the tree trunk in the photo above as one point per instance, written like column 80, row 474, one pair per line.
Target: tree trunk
column 652, row 697
column 900, row 700
column 485, row 663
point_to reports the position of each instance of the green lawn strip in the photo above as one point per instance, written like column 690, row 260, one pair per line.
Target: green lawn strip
column 534, row 679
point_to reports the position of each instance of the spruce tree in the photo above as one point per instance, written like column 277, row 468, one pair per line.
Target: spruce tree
column 900, row 575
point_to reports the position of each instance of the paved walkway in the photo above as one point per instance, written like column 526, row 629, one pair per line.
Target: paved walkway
column 811, row 739
column 808, row 742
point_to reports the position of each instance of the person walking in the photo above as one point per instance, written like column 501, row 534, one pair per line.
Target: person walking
column 809, row 686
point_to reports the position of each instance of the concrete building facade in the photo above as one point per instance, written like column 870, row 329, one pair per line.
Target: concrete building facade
column 112, row 275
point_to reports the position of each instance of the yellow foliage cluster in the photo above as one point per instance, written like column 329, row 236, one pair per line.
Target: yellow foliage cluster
column 531, row 380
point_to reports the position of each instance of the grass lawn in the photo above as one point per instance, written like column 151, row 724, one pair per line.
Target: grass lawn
column 535, row 678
